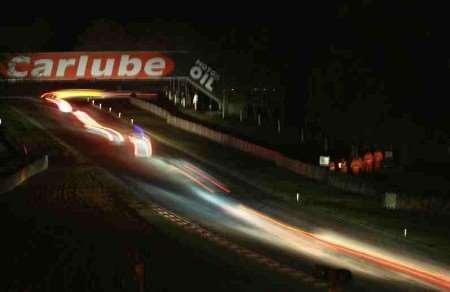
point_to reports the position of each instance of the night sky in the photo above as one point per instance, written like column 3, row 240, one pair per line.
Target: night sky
column 405, row 44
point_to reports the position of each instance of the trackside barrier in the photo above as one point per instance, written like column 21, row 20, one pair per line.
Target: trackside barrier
column 151, row 108
column 10, row 182
column 337, row 180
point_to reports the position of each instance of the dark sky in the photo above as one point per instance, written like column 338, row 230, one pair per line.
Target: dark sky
column 404, row 42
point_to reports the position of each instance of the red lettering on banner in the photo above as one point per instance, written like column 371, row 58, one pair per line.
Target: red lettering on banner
column 87, row 65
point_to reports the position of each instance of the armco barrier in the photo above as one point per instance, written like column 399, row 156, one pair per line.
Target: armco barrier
column 337, row 180
column 23, row 174
column 432, row 204
column 162, row 113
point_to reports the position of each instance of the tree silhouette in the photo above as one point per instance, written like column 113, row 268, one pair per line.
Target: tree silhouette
column 347, row 101
column 104, row 34
column 25, row 38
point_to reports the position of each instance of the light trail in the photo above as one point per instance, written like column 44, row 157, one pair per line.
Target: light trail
column 265, row 228
column 93, row 93
column 92, row 125
column 440, row 281
column 192, row 178
column 71, row 93
column 63, row 105
column 205, row 176
column 229, row 216
column 142, row 146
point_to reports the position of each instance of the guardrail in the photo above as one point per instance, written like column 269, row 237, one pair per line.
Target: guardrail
column 10, row 182
column 337, row 180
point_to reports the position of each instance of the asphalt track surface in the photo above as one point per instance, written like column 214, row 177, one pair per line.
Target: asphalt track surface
column 240, row 215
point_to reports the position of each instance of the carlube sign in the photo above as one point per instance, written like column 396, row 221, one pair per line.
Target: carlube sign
column 87, row 65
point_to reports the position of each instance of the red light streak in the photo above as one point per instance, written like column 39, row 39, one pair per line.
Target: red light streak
column 194, row 179
column 208, row 178
column 422, row 275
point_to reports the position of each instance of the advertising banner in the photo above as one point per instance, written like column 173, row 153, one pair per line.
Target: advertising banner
column 111, row 65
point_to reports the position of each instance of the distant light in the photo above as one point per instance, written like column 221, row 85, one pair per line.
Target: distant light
column 324, row 160
column 388, row 154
